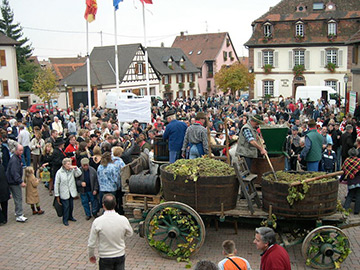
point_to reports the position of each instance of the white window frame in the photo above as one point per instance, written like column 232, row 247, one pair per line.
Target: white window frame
column 180, row 78
column 191, row 77
column 267, row 30
column 299, row 29
column 268, row 88
column 299, row 57
column 332, row 56
column 166, row 79
column 142, row 91
column 268, row 58
column 332, row 84
column 140, row 69
column 332, row 28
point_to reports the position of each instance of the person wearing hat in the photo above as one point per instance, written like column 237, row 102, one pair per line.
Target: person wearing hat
column 196, row 138
column 174, row 133
column 88, row 187
column 248, row 145
column 58, row 156
column 312, row 151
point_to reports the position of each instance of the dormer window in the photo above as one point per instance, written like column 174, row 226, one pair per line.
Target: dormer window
column 170, row 63
column 318, row 6
column 332, row 28
column 330, row 6
column 299, row 29
column 267, row 29
column 191, row 52
column 301, row 8
column 199, row 52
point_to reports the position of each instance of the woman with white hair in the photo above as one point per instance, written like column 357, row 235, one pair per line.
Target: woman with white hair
column 57, row 125
column 65, row 188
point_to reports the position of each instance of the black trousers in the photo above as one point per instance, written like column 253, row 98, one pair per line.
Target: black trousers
column 4, row 212
column 117, row 263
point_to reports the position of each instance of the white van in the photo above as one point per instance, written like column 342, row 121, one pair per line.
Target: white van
column 112, row 98
column 316, row 92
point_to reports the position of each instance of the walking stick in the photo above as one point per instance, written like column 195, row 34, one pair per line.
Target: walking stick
column 268, row 159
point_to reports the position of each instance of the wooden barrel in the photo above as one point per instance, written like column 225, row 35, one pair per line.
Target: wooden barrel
column 161, row 149
column 144, row 184
column 320, row 200
column 260, row 166
column 205, row 195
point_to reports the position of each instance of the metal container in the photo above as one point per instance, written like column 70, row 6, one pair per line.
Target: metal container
column 205, row 195
column 144, row 184
column 320, row 200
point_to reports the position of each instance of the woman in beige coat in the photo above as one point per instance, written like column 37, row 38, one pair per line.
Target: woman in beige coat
column 32, row 195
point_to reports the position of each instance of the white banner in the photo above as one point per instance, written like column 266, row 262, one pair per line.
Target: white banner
column 134, row 109
column 352, row 102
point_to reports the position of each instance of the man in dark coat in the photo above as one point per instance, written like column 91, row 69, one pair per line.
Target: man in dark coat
column 4, row 196
column 37, row 121
column 14, row 175
column 347, row 142
column 57, row 156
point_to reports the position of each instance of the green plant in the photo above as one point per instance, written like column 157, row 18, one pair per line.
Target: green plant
column 167, row 87
column 331, row 67
column 267, row 68
column 267, row 38
column 225, row 58
column 270, row 222
column 297, row 193
column 182, row 66
column 191, row 84
column 171, row 66
column 232, row 58
column 181, row 85
column 331, row 37
column 342, row 210
column 299, row 37
column 298, row 70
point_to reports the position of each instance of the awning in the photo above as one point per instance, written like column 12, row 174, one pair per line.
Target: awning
column 7, row 101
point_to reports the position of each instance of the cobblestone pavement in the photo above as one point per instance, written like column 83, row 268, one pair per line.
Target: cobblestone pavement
column 43, row 242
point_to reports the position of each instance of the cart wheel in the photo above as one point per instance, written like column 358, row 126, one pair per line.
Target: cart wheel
column 174, row 230
column 325, row 247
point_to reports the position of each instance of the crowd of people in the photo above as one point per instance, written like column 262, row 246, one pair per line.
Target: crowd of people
column 82, row 155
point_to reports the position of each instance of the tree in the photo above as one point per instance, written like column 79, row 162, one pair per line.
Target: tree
column 27, row 72
column 14, row 31
column 233, row 78
column 44, row 85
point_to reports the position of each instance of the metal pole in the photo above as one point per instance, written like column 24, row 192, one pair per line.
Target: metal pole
column 345, row 98
column 146, row 54
column 116, row 54
column 88, row 68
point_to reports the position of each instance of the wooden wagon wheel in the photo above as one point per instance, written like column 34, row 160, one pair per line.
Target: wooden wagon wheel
column 174, row 230
column 326, row 247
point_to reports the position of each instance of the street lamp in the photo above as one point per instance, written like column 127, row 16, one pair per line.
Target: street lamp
column 346, row 79
column 66, row 94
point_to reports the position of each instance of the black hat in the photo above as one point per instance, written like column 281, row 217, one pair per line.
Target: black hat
column 59, row 141
column 170, row 113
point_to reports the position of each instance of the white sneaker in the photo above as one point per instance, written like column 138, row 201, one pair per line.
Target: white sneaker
column 21, row 219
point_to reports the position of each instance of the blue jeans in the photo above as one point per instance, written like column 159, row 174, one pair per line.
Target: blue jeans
column 312, row 166
column 174, row 155
column 26, row 156
column 68, row 207
column 88, row 198
column 194, row 152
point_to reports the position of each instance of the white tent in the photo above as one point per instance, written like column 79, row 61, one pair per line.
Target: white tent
column 9, row 101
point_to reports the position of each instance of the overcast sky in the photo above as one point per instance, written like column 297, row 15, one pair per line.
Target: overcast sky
column 57, row 28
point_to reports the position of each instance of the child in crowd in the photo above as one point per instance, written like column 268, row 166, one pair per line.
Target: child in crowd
column 231, row 261
column 328, row 160
column 32, row 195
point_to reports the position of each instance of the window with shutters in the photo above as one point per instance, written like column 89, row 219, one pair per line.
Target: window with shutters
column 299, row 29
column 299, row 57
column 166, row 79
column 332, row 27
column 180, row 78
column 2, row 58
column 191, row 77
column 268, row 88
column 268, row 58
column 332, row 84
column 332, row 56
column 225, row 55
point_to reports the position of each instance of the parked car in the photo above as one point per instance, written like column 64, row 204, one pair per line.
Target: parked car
column 39, row 107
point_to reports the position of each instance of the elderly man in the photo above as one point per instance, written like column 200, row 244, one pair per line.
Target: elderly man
column 273, row 256
column 56, row 125
column 248, row 144
column 14, row 175
column 175, row 133
column 196, row 138
column 88, row 187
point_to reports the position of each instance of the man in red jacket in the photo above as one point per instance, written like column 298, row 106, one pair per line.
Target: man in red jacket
column 274, row 257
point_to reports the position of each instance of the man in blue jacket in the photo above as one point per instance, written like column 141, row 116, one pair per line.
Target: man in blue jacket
column 175, row 133
column 14, row 175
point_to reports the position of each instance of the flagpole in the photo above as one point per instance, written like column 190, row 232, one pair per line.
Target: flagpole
column 88, row 69
column 146, row 54
column 116, row 53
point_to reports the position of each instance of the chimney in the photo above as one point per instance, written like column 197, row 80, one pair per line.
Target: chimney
column 162, row 45
column 181, row 33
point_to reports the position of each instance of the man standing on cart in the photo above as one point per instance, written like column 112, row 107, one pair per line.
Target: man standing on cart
column 248, row 145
